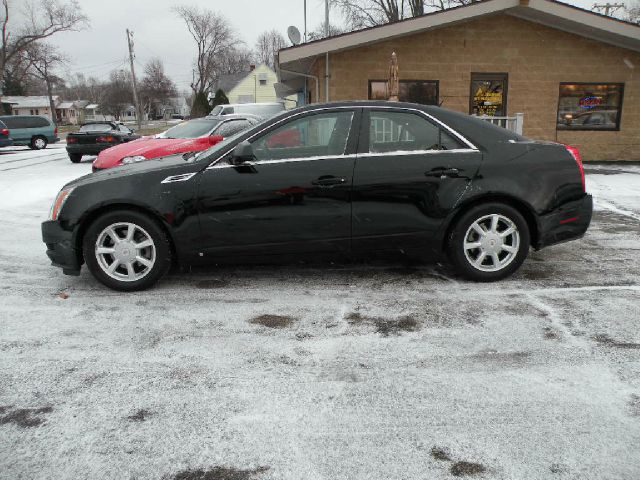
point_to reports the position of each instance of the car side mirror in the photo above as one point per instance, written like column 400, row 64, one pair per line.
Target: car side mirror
column 243, row 152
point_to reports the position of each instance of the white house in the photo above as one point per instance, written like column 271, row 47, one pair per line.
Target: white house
column 31, row 105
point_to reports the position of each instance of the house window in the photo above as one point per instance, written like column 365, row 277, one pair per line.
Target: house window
column 590, row 106
column 37, row 112
column 414, row 91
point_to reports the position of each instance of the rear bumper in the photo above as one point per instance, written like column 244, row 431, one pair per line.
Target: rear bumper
column 568, row 222
column 90, row 149
column 6, row 142
column 60, row 248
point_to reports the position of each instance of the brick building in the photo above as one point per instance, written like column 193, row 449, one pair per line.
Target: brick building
column 574, row 74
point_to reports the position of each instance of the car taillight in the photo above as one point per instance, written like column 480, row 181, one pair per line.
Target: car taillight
column 106, row 139
column 55, row 131
column 72, row 140
column 575, row 153
column 5, row 132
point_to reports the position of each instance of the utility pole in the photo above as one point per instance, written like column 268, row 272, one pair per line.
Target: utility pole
column 133, row 77
column 305, row 21
column 326, row 60
column 609, row 8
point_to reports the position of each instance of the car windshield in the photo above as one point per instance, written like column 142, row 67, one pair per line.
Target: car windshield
column 96, row 127
column 216, row 110
column 191, row 129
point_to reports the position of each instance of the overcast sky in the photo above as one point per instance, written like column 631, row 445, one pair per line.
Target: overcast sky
column 159, row 33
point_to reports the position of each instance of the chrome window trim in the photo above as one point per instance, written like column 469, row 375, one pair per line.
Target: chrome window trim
column 291, row 160
column 399, row 153
column 354, row 108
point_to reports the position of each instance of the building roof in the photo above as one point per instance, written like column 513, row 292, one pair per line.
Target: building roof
column 29, row 101
column 65, row 105
column 227, row 82
column 92, row 106
column 551, row 13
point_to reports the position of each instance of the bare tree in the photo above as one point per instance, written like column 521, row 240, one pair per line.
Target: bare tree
column 117, row 93
column 319, row 32
column 267, row 46
column 214, row 38
column 44, row 59
column 40, row 19
column 369, row 13
column 235, row 60
column 156, row 88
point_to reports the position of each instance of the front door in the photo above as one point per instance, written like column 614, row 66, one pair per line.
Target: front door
column 409, row 175
column 294, row 198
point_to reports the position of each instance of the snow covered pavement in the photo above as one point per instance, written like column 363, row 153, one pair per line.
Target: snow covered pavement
column 342, row 372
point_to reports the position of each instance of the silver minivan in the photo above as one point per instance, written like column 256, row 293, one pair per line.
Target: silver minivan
column 262, row 110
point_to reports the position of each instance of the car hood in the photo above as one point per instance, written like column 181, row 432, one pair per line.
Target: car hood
column 150, row 147
column 160, row 167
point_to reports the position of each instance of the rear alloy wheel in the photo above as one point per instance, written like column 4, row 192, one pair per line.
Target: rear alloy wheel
column 489, row 242
column 75, row 157
column 127, row 251
column 38, row 143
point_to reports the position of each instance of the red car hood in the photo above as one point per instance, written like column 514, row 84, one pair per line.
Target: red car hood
column 150, row 147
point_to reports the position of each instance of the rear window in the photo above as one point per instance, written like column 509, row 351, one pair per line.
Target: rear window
column 26, row 121
column 96, row 127
column 191, row 129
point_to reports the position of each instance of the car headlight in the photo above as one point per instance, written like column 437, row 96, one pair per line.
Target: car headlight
column 59, row 202
column 134, row 159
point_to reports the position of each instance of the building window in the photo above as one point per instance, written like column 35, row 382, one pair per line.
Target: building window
column 590, row 106
column 414, row 91
column 488, row 94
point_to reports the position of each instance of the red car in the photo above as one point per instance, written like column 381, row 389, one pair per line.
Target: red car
column 192, row 136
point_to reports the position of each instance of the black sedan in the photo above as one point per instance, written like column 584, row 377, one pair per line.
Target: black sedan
column 94, row 137
column 323, row 181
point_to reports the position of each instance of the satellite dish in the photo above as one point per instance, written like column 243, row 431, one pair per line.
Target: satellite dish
column 294, row 35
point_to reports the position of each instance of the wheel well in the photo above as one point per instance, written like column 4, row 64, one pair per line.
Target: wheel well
column 119, row 206
column 521, row 207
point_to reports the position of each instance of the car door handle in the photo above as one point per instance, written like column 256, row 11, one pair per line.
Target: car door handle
column 442, row 172
column 328, row 181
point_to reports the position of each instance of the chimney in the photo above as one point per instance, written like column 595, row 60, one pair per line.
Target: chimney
column 252, row 68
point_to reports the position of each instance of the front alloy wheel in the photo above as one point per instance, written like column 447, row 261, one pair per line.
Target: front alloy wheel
column 127, row 250
column 489, row 242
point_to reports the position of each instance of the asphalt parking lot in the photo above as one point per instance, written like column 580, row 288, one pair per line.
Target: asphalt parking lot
column 336, row 372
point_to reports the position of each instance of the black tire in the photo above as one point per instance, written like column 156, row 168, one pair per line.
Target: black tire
column 38, row 143
column 486, row 269
column 75, row 157
column 146, row 226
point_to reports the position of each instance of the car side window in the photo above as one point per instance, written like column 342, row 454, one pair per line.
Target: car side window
column 311, row 136
column 124, row 129
column 231, row 128
column 406, row 132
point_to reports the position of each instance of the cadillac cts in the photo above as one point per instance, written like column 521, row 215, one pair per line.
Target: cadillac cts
column 323, row 181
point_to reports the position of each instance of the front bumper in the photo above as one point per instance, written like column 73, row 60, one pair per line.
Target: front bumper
column 568, row 222
column 60, row 248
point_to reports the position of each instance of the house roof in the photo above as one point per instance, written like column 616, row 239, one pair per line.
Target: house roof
column 227, row 82
column 65, row 105
column 92, row 106
column 29, row 101
column 547, row 12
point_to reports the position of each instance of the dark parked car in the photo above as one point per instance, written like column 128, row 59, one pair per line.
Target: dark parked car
column 94, row 137
column 356, row 179
column 5, row 138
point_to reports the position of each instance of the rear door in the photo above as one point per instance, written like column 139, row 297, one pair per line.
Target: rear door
column 294, row 198
column 410, row 172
